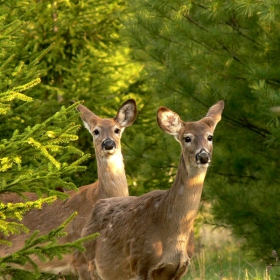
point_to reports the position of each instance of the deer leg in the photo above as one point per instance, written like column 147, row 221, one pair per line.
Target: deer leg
column 81, row 266
column 190, row 246
column 168, row 271
column 161, row 272
column 182, row 271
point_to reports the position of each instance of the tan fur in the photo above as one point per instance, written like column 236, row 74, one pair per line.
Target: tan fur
column 111, row 183
column 151, row 237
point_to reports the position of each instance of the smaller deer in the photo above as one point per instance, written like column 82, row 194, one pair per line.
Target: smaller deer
column 148, row 237
column 111, row 183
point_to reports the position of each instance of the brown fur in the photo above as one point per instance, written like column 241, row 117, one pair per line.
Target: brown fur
column 151, row 237
column 111, row 183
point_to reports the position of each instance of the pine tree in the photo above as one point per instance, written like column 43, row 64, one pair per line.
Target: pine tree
column 86, row 61
column 198, row 52
column 34, row 158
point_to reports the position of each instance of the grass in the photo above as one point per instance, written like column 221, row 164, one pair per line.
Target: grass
column 218, row 257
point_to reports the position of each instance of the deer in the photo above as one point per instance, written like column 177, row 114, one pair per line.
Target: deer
column 112, row 182
column 150, row 237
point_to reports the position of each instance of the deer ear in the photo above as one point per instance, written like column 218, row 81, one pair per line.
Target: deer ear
column 215, row 112
column 87, row 116
column 127, row 113
column 169, row 121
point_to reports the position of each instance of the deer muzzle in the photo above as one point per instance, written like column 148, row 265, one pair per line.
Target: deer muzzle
column 203, row 157
column 108, row 144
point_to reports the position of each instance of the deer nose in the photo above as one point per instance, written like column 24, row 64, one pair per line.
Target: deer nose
column 108, row 144
column 203, row 157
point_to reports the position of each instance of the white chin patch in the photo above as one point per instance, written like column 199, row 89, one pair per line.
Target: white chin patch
column 109, row 152
column 204, row 165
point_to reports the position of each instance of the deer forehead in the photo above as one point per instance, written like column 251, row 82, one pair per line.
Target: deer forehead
column 105, row 124
column 196, row 129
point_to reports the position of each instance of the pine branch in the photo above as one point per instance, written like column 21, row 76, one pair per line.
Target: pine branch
column 46, row 247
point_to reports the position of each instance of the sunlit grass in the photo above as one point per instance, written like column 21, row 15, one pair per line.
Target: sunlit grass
column 220, row 258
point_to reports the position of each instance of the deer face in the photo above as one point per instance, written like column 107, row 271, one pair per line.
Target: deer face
column 107, row 133
column 196, row 142
column 195, row 137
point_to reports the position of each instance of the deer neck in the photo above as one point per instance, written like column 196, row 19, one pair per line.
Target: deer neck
column 183, row 198
column 111, row 176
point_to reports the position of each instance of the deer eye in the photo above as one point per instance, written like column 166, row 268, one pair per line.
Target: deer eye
column 188, row 139
column 210, row 138
column 96, row 132
column 117, row 130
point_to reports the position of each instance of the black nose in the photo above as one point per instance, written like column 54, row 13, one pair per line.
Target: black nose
column 203, row 157
column 108, row 144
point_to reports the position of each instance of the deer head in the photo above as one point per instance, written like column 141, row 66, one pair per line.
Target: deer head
column 107, row 133
column 196, row 138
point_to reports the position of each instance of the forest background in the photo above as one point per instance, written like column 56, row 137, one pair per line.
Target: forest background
column 185, row 55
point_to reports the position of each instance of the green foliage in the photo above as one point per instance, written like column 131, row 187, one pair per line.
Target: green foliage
column 37, row 157
column 15, row 211
column 46, row 247
column 40, row 155
column 196, row 53
column 86, row 60
column 25, row 153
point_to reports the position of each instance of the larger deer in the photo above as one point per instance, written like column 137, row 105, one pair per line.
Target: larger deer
column 111, row 183
column 146, row 237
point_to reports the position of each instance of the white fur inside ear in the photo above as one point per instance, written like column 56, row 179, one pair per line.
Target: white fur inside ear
column 177, row 138
column 86, row 126
column 125, row 115
column 171, row 122
column 122, row 118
